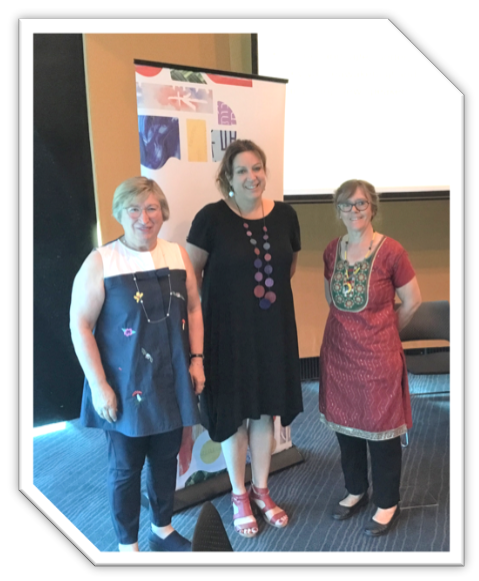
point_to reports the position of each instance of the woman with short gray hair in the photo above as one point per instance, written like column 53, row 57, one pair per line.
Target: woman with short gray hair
column 137, row 329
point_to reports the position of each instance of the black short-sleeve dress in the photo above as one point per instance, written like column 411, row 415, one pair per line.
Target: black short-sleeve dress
column 251, row 353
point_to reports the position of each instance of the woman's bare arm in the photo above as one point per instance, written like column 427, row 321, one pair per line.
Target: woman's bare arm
column 327, row 292
column 198, row 258
column 88, row 296
column 195, row 325
column 294, row 264
column 410, row 297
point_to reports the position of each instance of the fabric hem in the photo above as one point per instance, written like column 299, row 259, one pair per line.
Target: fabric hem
column 107, row 428
column 357, row 433
column 285, row 419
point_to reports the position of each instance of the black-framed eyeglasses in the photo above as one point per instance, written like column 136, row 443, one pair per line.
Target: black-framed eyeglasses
column 358, row 204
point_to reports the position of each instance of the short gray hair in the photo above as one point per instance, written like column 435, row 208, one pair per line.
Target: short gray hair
column 132, row 188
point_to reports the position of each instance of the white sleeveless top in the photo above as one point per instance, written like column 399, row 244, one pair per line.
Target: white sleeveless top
column 119, row 259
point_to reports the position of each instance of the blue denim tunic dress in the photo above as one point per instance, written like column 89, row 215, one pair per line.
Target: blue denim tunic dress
column 142, row 336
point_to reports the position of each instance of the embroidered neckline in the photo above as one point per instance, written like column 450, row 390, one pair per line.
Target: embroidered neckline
column 349, row 285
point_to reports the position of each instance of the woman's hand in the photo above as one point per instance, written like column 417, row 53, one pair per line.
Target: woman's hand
column 197, row 374
column 105, row 403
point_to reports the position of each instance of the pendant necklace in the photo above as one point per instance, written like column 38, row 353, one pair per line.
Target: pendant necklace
column 349, row 279
column 139, row 295
column 262, row 264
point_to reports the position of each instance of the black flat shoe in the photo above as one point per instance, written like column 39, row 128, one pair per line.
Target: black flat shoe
column 375, row 529
column 174, row 542
column 344, row 512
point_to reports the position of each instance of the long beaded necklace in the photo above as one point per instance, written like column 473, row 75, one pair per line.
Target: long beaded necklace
column 139, row 295
column 349, row 278
column 263, row 279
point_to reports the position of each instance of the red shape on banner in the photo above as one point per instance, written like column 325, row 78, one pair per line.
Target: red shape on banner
column 147, row 71
column 220, row 80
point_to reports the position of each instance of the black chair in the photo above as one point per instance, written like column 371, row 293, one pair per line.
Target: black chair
column 210, row 533
column 429, row 323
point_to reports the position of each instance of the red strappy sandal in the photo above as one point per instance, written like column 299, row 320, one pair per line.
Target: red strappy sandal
column 242, row 502
column 262, row 499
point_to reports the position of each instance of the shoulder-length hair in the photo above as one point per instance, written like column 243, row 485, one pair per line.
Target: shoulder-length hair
column 225, row 172
column 347, row 189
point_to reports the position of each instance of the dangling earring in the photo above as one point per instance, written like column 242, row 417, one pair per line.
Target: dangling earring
column 231, row 194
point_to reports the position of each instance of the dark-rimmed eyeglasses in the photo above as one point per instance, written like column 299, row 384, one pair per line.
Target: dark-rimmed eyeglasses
column 359, row 205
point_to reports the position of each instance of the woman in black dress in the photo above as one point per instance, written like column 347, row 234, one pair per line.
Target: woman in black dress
column 244, row 251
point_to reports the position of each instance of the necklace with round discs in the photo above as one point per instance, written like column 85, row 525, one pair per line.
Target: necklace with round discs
column 262, row 262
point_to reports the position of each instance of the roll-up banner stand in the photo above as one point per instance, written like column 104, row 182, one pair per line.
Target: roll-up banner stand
column 187, row 117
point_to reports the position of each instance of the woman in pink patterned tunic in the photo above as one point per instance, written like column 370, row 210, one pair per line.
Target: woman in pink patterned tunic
column 364, row 394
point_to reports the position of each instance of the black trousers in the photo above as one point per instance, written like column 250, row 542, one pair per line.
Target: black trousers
column 385, row 467
column 126, row 457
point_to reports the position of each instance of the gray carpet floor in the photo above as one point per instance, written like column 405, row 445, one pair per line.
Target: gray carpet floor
column 70, row 470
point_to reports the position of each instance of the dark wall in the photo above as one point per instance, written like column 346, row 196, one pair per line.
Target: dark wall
column 64, row 218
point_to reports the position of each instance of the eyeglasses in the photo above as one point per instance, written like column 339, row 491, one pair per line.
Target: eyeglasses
column 359, row 205
column 135, row 211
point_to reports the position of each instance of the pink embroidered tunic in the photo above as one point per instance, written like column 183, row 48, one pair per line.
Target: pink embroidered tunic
column 364, row 389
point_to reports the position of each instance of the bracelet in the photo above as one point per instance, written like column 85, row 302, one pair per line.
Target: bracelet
column 197, row 355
